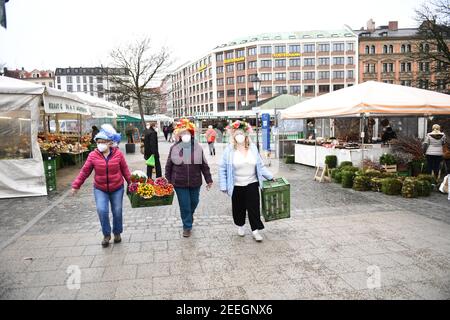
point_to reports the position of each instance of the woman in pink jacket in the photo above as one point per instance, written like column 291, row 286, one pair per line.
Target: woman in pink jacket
column 110, row 168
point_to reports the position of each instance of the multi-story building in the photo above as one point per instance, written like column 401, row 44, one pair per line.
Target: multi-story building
column 299, row 63
column 390, row 54
column 166, row 96
column 94, row 81
column 42, row 77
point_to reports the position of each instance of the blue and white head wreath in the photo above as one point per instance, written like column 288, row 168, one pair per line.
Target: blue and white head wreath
column 107, row 132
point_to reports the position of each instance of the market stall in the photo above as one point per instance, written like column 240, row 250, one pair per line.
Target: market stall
column 368, row 103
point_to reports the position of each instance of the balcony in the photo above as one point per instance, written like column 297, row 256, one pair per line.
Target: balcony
column 370, row 76
column 388, row 75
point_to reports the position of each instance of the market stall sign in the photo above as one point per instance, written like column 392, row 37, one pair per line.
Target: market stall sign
column 59, row 105
column 234, row 60
column 286, row 55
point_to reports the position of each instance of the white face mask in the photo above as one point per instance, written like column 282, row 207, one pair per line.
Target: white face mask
column 186, row 138
column 240, row 138
column 148, row 127
column 102, row 147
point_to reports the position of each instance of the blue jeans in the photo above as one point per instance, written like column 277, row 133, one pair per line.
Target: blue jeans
column 188, row 199
column 102, row 200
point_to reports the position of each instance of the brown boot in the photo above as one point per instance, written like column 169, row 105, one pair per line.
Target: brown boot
column 186, row 233
column 105, row 242
column 117, row 238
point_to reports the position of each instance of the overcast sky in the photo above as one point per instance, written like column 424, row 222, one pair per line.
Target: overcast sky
column 46, row 34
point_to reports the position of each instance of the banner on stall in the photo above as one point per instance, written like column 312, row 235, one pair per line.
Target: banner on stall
column 61, row 105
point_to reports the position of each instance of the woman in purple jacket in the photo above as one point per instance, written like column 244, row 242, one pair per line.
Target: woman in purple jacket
column 184, row 169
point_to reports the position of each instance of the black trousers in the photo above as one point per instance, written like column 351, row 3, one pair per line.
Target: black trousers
column 246, row 199
column 157, row 168
column 433, row 164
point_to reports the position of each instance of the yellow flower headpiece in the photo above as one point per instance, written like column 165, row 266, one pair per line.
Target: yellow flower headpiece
column 185, row 124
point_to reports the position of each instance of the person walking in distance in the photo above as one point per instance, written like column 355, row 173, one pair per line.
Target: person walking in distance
column 151, row 149
column 211, row 139
column 434, row 146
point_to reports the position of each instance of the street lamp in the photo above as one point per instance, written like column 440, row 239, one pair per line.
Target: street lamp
column 256, row 87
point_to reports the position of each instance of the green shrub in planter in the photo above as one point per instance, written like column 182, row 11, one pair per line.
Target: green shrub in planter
column 385, row 175
column 290, row 159
column 347, row 179
column 375, row 184
column 331, row 161
column 388, row 159
column 345, row 164
column 409, row 188
column 391, row 186
column 333, row 173
column 372, row 173
column 423, row 188
column 361, row 183
column 353, row 170
column 427, row 177
column 338, row 177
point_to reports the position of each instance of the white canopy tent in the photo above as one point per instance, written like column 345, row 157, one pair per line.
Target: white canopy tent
column 372, row 98
column 21, row 165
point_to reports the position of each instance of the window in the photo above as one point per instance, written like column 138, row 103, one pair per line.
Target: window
column 324, row 88
column 252, row 65
column 324, row 75
column 219, row 57
column 324, row 47
column 230, row 93
column 309, row 75
column 266, row 77
column 280, row 76
column 266, row 63
column 251, row 77
column 385, row 49
column 69, row 88
column 230, row 80
column 337, row 87
column 294, row 48
column 350, row 46
column 240, row 66
column 372, row 50
column 265, row 50
column 294, row 62
column 78, row 88
column 58, row 79
column 281, row 89
column 240, row 53
column 338, row 60
column 367, row 50
column 310, row 89
column 350, row 74
column 229, row 55
column 338, row 47
column 406, row 83
column 99, row 79
column 266, row 90
column 59, row 87
column 230, row 67
column 391, row 49
column 424, row 66
column 338, row 74
column 309, row 48
column 295, row 76
column 350, row 60
column 231, row 106
column 324, row 61
column 69, row 79
column 84, row 79
column 369, row 68
column 220, row 82
column 280, row 63
column 405, row 67
column 241, row 79
column 388, row 67
column 220, row 107
column 85, row 88
column 252, row 51
column 219, row 70
column 280, row 49
column 91, row 79
column 294, row 89
column 51, row 85
column 242, row 92
column 308, row 62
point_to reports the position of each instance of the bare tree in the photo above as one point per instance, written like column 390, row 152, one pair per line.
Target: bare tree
column 143, row 65
column 434, row 39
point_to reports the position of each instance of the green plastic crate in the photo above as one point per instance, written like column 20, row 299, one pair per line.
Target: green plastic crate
column 50, row 174
column 276, row 199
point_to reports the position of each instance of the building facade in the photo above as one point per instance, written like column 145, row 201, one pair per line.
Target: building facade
column 42, row 77
column 390, row 54
column 300, row 63
column 94, row 81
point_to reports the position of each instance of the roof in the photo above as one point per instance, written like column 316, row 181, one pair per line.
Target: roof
column 296, row 35
column 281, row 101
column 384, row 32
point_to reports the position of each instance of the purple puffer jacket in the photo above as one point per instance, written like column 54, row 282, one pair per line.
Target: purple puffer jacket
column 186, row 164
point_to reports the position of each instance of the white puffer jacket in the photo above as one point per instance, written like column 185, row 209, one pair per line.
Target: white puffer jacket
column 435, row 142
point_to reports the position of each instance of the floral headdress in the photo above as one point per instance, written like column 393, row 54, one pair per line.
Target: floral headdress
column 240, row 125
column 184, row 124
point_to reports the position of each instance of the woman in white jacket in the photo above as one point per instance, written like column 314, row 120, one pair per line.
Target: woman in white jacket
column 434, row 143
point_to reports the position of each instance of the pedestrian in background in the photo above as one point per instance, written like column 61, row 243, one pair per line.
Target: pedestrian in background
column 151, row 149
column 94, row 133
column 165, row 131
column 434, row 149
column 241, row 175
column 110, row 169
column 184, row 169
column 211, row 139
column 170, row 129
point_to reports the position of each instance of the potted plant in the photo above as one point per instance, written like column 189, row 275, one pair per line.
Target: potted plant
column 331, row 162
column 389, row 162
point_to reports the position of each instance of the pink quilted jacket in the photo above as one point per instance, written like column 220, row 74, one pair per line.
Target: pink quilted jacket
column 109, row 172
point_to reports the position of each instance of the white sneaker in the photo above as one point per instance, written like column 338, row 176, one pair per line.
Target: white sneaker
column 241, row 231
column 258, row 237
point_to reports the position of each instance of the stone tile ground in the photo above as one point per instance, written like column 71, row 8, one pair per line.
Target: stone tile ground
column 334, row 246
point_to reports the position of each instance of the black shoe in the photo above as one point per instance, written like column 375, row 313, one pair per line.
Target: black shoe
column 117, row 238
column 105, row 242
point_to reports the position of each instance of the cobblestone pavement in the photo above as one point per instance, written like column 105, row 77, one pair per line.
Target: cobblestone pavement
column 337, row 245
